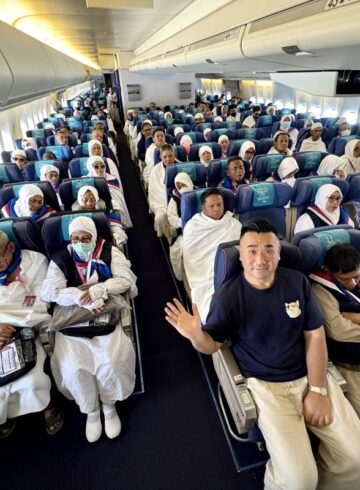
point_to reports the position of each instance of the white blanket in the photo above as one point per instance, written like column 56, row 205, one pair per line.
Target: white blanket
column 202, row 235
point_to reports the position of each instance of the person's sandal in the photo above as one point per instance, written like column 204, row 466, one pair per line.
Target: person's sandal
column 54, row 420
column 7, row 428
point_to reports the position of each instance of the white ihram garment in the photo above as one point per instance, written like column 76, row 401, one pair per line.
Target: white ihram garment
column 202, row 235
column 31, row 392
column 102, row 367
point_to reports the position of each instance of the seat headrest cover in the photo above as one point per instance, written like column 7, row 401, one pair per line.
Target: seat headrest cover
column 317, row 183
column 7, row 227
column 263, row 194
column 329, row 238
column 273, row 162
column 4, row 178
column 188, row 168
column 312, row 159
column 76, row 184
column 67, row 219
column 250, row 133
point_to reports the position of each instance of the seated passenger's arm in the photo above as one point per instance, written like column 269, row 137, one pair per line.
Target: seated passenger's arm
column 339, row 326
column 54, row 290
column 316, row 407
column 189, row 326
column 123, row 278
column 172, row 213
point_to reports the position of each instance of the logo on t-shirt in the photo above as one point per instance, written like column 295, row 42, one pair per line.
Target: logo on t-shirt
column 292, row 309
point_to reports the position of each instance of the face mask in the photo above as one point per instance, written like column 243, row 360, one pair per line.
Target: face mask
column 290, row 181
column 345, row 132
column 233, row 114
column 285, row 125
column 84, row 250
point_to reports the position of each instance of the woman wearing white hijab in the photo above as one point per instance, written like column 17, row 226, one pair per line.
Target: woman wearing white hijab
column 206, row 155
column 28, row 143
column 286, row 172
column 330, row 165
column 88, row 200
column 51, row 174
column 97, row 371
column 247, row 152
column 178, row 130
column 206, row 134
column 96, row 168
column 30, row 203
column 223, row 141
column 325, row 211
column 351, row 158
column 314, row 141
column 285, row 127
column 96, row 149
column 183, row 183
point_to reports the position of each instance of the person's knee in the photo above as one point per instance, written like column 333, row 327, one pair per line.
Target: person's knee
column 296, row 476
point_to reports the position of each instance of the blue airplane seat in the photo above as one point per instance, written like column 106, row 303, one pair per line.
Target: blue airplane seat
column 305, row 190
column 235, row 145
column 9, row 191
column 55, row 231
column 194, row 151
column 10, row 172
column 195, row 136
column 265, row 200
column 32, row 170
column 69, row 190
column 31, row 155
column 337, row 144
column 83, row 151
column 24, row 232
column 309, row 162
column 171, row 127
column 197, row 172
column 50, row 140
column 265, row 144
column 191, row 203
column 168, row 139
column 61, row 152
column 250, row 133
column 264, row 165
column 216, row 133
column 265, row 123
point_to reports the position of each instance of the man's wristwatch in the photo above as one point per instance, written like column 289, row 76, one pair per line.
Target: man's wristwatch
column 318, row 389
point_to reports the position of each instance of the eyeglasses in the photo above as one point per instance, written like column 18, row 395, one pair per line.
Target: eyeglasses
column 334, row 198
column 98, row 166
column 80, row 240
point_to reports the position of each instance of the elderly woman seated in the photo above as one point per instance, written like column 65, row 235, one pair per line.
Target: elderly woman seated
column 88, row 200
column 96, row 149
column 19, row 158
column 30, row 203
column 351, row 158
column 21, row 275
column 99, row 370
column 97, row 168
column 206, row 155
column 314, row 141
column 281, row 142
column 51, row 174
column 325, row 211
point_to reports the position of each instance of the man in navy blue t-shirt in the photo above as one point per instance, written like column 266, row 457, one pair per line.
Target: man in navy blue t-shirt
column 276, row 330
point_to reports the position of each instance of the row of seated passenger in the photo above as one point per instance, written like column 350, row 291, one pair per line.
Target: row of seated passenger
column 93, row 361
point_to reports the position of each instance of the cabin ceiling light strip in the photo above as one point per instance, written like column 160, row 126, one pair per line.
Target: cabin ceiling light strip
column 120, row 4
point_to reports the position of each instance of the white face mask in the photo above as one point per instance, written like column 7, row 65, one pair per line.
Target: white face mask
column 285, row 125
column 290, row 181
column 345, row 132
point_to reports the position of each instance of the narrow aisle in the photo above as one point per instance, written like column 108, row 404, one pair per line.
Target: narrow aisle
column 171, row 437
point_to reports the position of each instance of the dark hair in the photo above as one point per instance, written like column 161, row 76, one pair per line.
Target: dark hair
column 281, row 134
column 157, row 131
column 255, row 108
column 234, row 158
column 342, row 258
column 258, row 225
column 166, row 147
column 167, row 108
column 213, row 191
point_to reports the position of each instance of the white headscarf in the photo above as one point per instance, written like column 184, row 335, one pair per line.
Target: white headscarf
column 223, row 137
column 83, row 190
column 322, row 195
column 199, row 115
column 83, row 223
column 316, row 125
column 206, row 132
column 91, row 144
column 18, row 153
column 48, row 168
column 244, row 147
column 271, row 107
column 178, row 130
column 27, row 191
column 186, row 139
column 218, row 119
column 89, row 165
column 147, row 121
column 329, row 164
column 28, row 142
column 201, row 151
column 168, row 115
column 185, row 179
column 288, row 165
column 349, row 152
